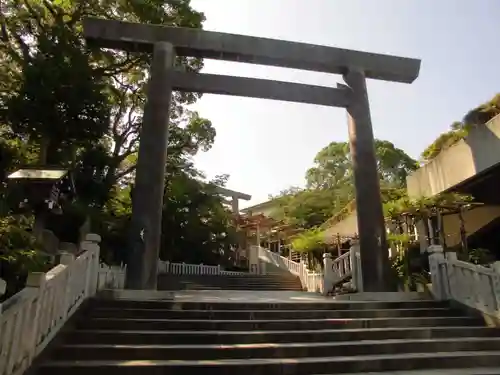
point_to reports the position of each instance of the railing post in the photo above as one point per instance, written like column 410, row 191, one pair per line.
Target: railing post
column 66, row 260
column 3, row 289
column 91, row 244
column 36, row 280
column 357, row 276
column 439, row 276
column 496, row 284
column 253, row 259
column 327, row 273
column 262, row 267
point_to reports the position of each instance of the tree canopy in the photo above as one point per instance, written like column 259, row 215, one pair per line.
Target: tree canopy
column 332, row 165
column 66, row 104
column 330, row 187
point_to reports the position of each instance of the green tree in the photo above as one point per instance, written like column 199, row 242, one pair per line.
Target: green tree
column 330, row 187
column 41, row 37
column 333, row 166
column 310, row 207
column 60, row 104
column 87, row 115
column 196, row 225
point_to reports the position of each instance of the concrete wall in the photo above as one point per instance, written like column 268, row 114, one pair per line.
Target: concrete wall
column 478, row 152
column 347, row 227
column 474, row 220
column 266, row 209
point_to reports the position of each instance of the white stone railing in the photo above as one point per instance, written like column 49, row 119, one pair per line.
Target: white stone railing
column 312, row 281
column 31, row 318
column 111, row 277
column 475, row 286
column 337, row 269
column 341, row 266
column 194, row 269
column 279, row 261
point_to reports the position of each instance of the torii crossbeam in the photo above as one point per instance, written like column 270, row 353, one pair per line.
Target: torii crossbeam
column 167, row 42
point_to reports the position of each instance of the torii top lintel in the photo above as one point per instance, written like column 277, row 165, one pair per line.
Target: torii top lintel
column 222, row 46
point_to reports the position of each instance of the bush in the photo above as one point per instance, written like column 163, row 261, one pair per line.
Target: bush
column 20, row 253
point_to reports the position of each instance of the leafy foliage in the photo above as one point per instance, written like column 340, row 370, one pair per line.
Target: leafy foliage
column 330, row 193
column 445, row 141
column 422, row 207
column 333, row 165
column 64, row 103
column 480, row 256
column 329, row 197
column 310, row 240
column 308, row 208
column 460, row 129
column 19, row 253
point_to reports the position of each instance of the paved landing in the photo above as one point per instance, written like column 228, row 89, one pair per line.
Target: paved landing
column 223, row 296
column 249, row 296
column 471, row 371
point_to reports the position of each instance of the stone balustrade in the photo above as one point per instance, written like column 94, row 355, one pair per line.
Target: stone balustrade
column 335, row 270
column 193, row 269
column 49, row 299
column 474, row 286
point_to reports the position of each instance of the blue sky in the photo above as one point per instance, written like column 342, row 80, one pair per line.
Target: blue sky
column 266, row 146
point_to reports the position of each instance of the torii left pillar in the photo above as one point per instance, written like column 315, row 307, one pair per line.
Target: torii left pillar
column 147, row 205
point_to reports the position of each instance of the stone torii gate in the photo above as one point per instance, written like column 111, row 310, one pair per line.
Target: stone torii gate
column 168, row 42
column 234, row 196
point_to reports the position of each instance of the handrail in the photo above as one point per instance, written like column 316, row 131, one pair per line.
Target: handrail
column 194, row 269
column 473, row 285
column 312, row 281
column 36, row 314
column 336, row 270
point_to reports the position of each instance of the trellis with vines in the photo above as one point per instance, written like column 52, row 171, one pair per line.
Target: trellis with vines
column 403, row 216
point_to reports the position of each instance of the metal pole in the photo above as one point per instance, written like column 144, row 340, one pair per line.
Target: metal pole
column 147, row 205
column 375, row 265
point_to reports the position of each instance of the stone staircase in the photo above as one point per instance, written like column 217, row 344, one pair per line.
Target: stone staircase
column 280, row 333
column 273, row 281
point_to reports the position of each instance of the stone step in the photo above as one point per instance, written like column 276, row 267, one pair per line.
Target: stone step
column 247, row 284
column 273, row 366
column 271, row 350
column 241, row 279
column 253, row 283
column 233, row 287
column 225, row 283
column 242, row 282
column 269, row 314
column 220, row 278
column 129, row 337
column 243, row 325
column 453, row 371
column 271, row 305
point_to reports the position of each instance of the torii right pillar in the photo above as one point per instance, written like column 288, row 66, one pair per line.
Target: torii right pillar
column 375, row 266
